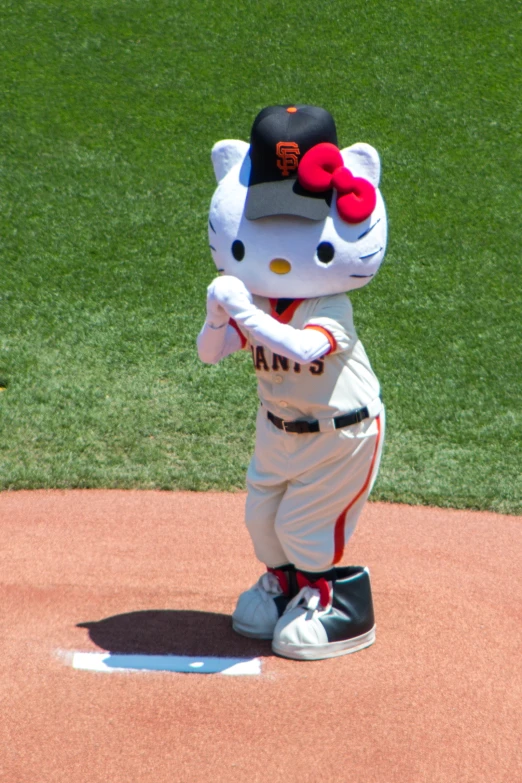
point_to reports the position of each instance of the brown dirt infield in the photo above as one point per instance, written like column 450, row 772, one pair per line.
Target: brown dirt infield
column 437, row 698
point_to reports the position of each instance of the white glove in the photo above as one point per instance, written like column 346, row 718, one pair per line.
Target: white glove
column 230, row 294
column 217, row 315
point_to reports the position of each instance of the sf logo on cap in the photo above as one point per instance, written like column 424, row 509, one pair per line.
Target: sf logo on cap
column 288, row 153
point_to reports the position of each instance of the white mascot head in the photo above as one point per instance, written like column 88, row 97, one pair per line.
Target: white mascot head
column 293, row 216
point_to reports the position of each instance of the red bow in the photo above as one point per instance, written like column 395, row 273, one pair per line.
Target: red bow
column 325, row 590
column 322, row 168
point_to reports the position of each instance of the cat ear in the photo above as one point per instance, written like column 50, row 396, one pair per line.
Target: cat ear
column 363, row 161
column 226, row 154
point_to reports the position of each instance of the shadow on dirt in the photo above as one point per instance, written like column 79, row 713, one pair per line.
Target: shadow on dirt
column 168, row 632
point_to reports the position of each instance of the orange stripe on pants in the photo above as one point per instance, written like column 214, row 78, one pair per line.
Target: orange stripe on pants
column 341, row 520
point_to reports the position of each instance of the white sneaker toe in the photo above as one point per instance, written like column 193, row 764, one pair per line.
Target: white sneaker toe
column 259, row 608
column 255, row 615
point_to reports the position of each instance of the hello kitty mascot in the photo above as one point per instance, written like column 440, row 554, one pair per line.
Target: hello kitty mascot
column 295, row 223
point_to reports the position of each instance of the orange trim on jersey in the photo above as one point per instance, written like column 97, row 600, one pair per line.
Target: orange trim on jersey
column 329, row 336
column 288, row 314
column 341, row 520
column 240, row 333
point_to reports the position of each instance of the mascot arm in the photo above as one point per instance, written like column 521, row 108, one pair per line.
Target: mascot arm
column 217, row 338
column 299, row 345
column 216, row 342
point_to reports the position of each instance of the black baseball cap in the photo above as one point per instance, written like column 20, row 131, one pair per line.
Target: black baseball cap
column 280, row 137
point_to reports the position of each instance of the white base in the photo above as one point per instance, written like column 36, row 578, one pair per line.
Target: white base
column 111, row 662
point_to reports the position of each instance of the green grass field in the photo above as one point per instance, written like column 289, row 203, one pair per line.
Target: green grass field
column 108, row 114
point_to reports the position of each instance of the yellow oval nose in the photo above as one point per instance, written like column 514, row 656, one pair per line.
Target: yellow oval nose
column 280, row 266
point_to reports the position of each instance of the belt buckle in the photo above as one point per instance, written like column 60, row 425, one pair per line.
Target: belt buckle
column 288, row 423
column 327, row 425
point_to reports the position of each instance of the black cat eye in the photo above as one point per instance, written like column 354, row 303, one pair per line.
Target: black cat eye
column 238, row 250
column 325, row 252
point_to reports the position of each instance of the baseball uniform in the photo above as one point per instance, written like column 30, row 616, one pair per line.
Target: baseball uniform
column 306, row 491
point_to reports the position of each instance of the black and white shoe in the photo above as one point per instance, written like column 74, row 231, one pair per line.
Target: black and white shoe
column 259, row 608
column 328, row 617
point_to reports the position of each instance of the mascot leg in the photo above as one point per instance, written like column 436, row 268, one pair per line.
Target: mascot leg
column 332, row 614
column 259, row 608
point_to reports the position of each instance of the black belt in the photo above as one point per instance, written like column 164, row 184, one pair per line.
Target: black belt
column 300, row 427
